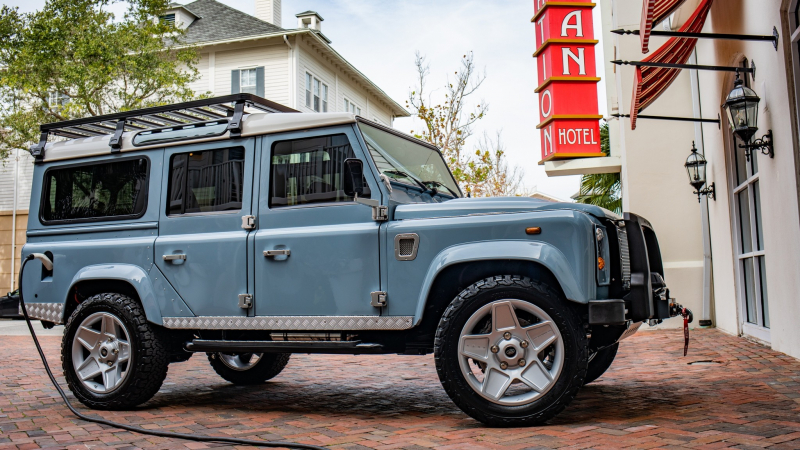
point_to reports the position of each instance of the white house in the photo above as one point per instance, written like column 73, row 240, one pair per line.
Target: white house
column 296, row 67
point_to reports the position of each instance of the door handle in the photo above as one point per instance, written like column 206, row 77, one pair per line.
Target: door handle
column 282, row 252
column 181, row 257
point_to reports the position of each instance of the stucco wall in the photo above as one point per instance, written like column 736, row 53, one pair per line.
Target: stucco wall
column 777, row 176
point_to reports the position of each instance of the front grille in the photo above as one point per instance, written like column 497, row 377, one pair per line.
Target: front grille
column 624, row 256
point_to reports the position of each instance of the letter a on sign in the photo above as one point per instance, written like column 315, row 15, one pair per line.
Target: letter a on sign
column 577, row 26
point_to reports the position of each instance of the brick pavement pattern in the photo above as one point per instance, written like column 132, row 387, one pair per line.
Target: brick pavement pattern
column 652, row 397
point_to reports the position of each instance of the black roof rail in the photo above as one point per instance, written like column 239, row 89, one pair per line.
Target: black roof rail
column 229, row 107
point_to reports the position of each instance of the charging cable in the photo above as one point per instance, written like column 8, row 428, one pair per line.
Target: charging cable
column 167, row 434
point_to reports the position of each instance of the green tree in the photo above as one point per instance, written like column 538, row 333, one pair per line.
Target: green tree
column 74, row 58
column 449, row 124
column 602, row 189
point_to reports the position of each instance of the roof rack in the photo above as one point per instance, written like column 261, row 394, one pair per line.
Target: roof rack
column 217, row 110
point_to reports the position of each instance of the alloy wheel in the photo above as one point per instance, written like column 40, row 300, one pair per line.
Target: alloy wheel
column 101, row 352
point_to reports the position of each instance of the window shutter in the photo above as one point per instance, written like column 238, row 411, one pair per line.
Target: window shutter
column 235, row 81
column 260, row 81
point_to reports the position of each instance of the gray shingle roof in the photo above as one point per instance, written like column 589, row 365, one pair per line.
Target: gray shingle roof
column 218, row 22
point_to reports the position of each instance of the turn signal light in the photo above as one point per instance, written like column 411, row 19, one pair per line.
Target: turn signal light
column 601, row 263
column 533, row 230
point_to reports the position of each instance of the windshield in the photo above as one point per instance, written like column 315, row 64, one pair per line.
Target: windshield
column 408, row 162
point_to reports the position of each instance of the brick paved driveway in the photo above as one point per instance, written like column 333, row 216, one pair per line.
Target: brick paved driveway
column 650, row 398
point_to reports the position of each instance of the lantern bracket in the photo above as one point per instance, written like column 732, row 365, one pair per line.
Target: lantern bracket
column 764, row 145
column 709, row 192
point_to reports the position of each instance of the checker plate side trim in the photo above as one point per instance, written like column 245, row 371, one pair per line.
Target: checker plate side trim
column 51, row 312
column 294, row 323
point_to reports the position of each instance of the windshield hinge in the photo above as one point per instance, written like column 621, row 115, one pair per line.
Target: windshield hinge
column 380, row 213
column 249, row 222
column 245, row 301
column 378, row 299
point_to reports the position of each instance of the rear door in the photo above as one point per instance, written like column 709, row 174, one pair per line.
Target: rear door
column 202, row 248
column 322, row 247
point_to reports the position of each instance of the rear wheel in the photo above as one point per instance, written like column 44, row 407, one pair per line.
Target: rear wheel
column 599, row 362
column 111, row 356
column 248, row 368
column 510, row 351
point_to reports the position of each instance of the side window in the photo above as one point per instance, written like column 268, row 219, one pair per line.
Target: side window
column 99, row 191
column 206, row 181
column 311, row 170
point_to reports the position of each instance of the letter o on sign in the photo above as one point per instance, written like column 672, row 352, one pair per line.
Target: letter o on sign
column 546, row 99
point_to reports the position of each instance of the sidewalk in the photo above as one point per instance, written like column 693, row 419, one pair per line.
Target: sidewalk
column 736, row 395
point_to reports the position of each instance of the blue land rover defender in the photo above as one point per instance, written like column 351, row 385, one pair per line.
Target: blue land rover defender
column 239, row 228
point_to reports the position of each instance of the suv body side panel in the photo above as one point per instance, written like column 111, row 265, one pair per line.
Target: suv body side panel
column 565, row 247
column 77, row 247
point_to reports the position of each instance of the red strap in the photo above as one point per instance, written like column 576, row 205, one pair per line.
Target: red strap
column 685, row 315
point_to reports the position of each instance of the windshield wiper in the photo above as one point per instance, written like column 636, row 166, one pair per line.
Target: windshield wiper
column 403, row 174
column 439, row 183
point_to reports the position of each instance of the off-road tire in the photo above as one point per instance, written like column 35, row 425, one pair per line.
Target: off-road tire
column 149, row 358
column 600, row 363
column 567, row 320
column 267, row 368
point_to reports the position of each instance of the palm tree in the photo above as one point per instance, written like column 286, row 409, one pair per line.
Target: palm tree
column 602, row 189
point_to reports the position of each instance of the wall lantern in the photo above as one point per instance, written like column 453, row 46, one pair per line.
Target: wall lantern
column 696, row 169
column 742, row 108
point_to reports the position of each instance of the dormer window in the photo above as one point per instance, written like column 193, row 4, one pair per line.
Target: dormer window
column 168, row 19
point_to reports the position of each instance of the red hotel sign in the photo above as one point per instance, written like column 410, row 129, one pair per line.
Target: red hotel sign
column 568, row 117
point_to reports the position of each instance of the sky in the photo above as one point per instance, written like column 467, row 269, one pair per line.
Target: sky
column 380, row 38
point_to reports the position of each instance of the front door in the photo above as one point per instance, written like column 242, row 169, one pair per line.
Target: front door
column 322, row 247
column 201, row 247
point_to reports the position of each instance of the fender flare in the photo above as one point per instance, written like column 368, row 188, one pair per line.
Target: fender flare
column 539, row 252
column 134, row 275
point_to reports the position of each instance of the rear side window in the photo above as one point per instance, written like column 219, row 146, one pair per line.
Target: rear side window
column 206, row 181
column 102, row 191
column 310, row 170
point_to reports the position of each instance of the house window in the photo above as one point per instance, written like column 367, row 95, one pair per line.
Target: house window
column 308, row 90
column 168, row 19
column 351, row 107
column 248, row 81
column 316, row 94
column 57, row 99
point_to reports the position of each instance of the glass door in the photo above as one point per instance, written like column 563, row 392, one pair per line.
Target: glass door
column 749, row 248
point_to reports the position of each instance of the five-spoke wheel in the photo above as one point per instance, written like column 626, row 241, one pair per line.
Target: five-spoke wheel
column 511, row 351
column 101, row 351
column 518, row 359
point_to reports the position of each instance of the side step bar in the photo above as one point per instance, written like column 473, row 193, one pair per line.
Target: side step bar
column 334, row 347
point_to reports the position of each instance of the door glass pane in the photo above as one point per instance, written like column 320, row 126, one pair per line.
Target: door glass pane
column 749, row 289
column 741, row 162
column 310, row 171
column 206, row 181
column 744, row 221
column 759, row 228
column 762, row 267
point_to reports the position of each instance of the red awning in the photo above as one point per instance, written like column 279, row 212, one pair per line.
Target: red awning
column 653, row 13
column 651, row 82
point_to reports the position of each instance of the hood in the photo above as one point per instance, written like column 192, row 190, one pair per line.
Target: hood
column 492, row 205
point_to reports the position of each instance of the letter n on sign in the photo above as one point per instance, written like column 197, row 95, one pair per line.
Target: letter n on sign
column 569, row 122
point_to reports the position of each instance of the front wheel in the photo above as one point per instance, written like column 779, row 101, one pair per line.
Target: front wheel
column 248, row 368
column 510, row 351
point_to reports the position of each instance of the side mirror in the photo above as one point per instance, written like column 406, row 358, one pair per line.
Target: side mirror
column 353, row 177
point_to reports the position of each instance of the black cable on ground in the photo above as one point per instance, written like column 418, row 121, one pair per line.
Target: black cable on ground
column 167, row 434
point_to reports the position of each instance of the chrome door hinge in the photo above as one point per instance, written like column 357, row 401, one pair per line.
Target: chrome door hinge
column 249, row 222
column 378, row 299
column 245, row 301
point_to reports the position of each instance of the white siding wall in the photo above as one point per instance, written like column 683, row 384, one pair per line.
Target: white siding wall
column 7, row 181
column 201, row 85
column 272, row 57
column 309, row 61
